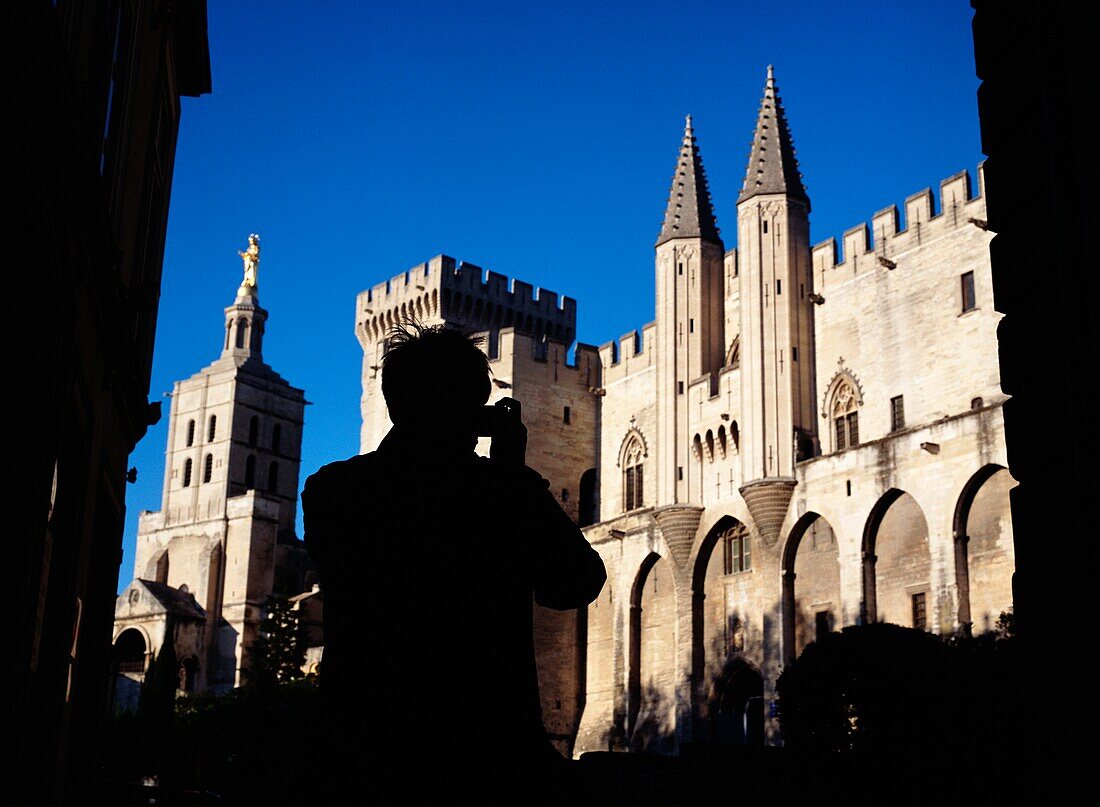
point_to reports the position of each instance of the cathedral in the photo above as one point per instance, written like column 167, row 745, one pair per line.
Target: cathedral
column 805, row 437
column 223, row 541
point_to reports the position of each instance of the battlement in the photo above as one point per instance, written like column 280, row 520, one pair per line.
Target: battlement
column 467, row 295
column 630, row 353
column 883, row 243
column 521, row 352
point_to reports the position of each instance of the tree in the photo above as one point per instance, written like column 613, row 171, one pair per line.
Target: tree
column 279, row 653
column 156, row 703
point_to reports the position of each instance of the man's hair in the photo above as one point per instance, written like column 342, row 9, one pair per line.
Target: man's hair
column 425, row 364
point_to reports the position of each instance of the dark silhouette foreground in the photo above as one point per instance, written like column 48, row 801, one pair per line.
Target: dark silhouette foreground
column 429, row 556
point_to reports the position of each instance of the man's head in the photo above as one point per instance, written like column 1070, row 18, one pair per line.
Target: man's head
column 435, row 379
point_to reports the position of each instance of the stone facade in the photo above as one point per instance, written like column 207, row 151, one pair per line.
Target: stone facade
column 223, row 540
column 801, row 440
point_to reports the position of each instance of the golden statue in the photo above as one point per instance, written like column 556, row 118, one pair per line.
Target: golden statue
column 251, row 258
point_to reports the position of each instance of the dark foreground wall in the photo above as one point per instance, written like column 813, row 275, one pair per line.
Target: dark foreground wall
column 1035, row 60
column 90, row 113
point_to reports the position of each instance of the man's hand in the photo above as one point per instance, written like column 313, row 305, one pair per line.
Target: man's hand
column 509, row 445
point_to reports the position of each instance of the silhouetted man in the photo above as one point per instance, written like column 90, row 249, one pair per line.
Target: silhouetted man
column 428, row 557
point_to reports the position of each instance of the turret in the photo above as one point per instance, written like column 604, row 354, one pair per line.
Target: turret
column 777, row 349
column 689, row 311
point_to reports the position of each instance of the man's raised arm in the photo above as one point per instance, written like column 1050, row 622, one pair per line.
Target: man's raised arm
column 567, row 571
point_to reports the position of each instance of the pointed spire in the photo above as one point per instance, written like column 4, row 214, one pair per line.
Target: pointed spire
column 772, row 167
column 689, row 213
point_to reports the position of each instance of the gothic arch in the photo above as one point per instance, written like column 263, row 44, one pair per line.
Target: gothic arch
column 632, row 434
column 791, row 610
column 840, row 377
column 632, row 454
column 708, row 612
column 843, row 400
column 909, row 533
column 651, row 676
column 961, row 530
column 736, row 704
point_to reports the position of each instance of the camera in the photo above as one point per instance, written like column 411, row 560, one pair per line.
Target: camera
column 496, row 420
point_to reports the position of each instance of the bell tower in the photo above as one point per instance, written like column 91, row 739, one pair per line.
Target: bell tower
column 223, row 540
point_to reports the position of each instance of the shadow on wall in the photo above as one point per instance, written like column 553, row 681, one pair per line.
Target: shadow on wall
column 654, row 730
column 890, row 693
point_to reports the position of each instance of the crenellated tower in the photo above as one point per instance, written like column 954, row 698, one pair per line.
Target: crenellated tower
column 689, row 312
column 777, row 347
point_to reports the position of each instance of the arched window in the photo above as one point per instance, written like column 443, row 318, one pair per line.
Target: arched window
column 213, row 428
column 632, row 475
column 129, row 651
column 253, row 430
column 845, row 417
column 242, row 332
column 735, row 550
column 722, row 440
column 250, row 472
column 273, row 478
column 208, row 468
column 190, row 432
column 187, row 474
column 276, row 436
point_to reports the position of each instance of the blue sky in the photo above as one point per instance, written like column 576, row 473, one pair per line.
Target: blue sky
column 360, row 139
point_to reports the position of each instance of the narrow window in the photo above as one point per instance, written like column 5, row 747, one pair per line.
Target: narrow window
column 681, row 269
column 276, row 437
column 765, row 226
column 691, row 326
column 736, row 556
column 187, row 474
column 848, row 484
column 253, row 430
column 632, row 476
column 778, row 287
column 250, row 473
column 977, row 403
column 191, row 433
column 213, row 428
column 801, row 291
column 897, row 413
column 565, row 494
column 680, row 387
column 920, row 615
column 679, row 473
column 968, row 301
column 821, row 625
column 208, row 468
column 565, row 415
column 845, row 418
column 273, row 478
column 794, row 353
